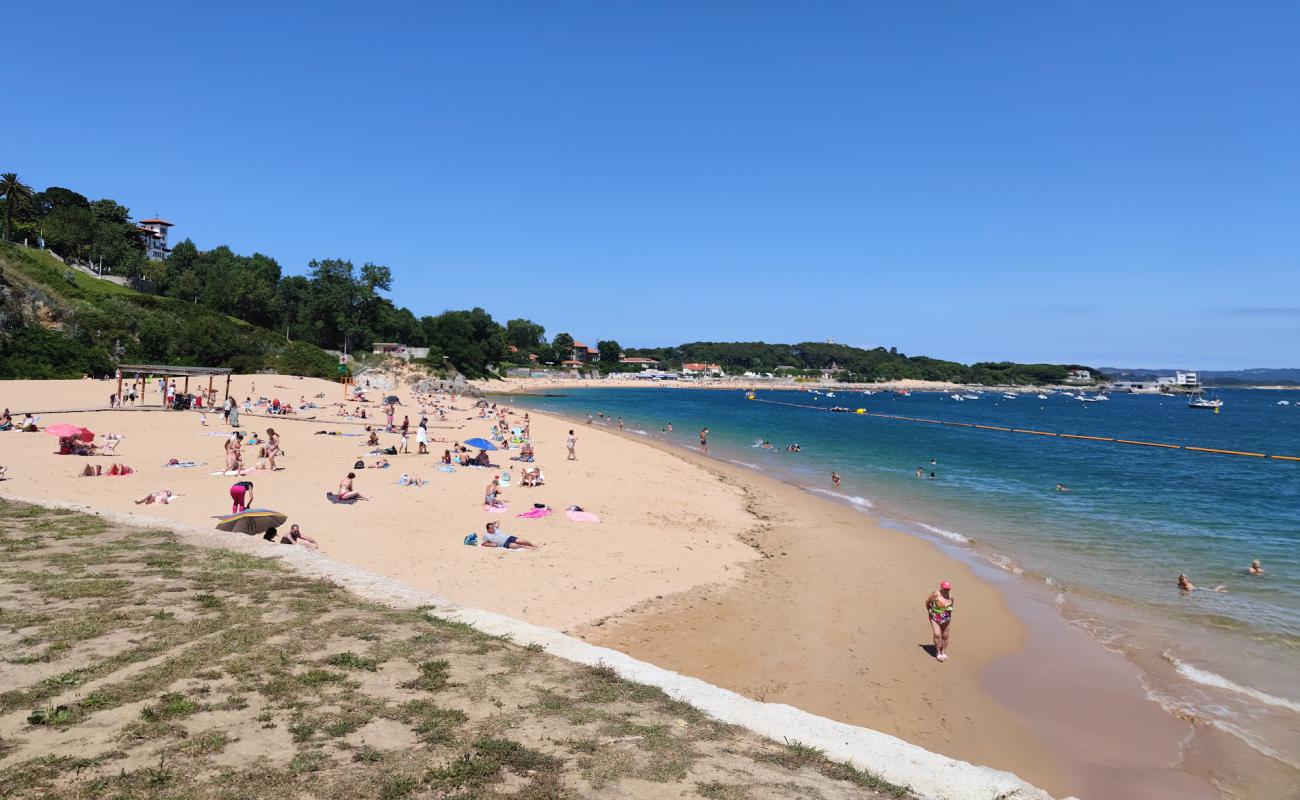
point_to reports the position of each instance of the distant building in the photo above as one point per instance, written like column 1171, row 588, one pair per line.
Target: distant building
column 643, row 363
column 585, row 354
column 396, row 350
column 697, row 370
column 1079, row 376
column 1180, row 380
column 154, row 234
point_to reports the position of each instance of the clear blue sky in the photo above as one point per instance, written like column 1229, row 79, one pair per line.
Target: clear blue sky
column 1115, row 183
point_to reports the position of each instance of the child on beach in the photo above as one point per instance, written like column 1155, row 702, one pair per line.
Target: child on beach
column 571, row 443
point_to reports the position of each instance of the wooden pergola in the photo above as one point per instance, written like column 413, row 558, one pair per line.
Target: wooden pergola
column 166, row 371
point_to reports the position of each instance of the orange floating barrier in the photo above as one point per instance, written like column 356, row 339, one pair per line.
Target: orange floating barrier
column 1150, row 444
column 992, row 428
column 1090, row 438
column 1224, row 452
column 1036, row 433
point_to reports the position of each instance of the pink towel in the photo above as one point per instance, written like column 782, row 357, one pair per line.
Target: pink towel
column 582, row 516
column 535, row 513
column 495, row 509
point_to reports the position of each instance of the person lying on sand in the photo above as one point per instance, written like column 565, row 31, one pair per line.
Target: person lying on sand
column 411, row 480
column 496, row 538
column 346, row 492
column 296, row 536
column 165, row 496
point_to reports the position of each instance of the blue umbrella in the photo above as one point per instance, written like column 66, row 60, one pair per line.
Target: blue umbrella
column 482, row 444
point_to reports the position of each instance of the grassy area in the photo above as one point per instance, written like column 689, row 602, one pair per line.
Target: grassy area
column 135, row 666
column 32, row 266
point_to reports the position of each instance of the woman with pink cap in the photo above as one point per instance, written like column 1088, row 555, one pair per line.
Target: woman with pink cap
column 938, row 606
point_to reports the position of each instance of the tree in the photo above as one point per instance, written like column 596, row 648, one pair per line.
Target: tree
column 525, row 335
column 561, row 348
column 471, row 340
column 610, row 352
column 15, row 192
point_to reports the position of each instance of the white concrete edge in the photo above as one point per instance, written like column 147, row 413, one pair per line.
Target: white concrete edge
column 930, row 776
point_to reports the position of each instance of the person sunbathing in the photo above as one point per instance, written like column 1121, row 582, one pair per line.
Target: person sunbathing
column 411, row 480
column 296, row 536
column 374, row 437
column 165, row 496
column 532, row 477
column 496, row 538
column 490, row 498
column 346, row 492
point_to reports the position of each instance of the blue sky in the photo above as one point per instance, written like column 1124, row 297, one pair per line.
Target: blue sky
column 1113, row 183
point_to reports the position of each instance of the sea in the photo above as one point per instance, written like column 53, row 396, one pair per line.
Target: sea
column 1110, row 548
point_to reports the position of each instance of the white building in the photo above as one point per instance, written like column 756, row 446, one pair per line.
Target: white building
column 1079, row 376
column 154, row 233
column 395, row 350
column 694, row 370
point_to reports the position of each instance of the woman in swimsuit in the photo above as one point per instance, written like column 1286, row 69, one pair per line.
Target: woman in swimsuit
column 939, row 607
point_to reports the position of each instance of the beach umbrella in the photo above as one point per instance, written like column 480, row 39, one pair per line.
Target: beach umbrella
column 251, row 521
column 482, row 444
column 63, row 430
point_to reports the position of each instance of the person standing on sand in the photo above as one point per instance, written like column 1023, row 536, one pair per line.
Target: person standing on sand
column 571, row 443
column 422, row 437
column 242, row 496
column 620, row 423
column 406, row 430
column 939, row 607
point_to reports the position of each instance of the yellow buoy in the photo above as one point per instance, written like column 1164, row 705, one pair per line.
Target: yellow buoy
column 860, row 411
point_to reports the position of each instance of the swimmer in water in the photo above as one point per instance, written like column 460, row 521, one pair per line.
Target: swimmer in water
column 1061, row 487
column 835, row 479
column 1186, row 585
column 920, row 473
column 1255, row 568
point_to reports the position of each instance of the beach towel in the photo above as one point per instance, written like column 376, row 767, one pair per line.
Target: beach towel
column 535, row 513
column 446, row 468
column 472, row 540
column 334, row 498
column 581, row 516
column 183, row 464
column 495, row 509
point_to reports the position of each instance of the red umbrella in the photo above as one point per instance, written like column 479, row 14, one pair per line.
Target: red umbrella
column 63, row 429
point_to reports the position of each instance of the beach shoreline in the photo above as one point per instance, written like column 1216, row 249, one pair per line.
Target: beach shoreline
column 1158, row 751
column 671, row 598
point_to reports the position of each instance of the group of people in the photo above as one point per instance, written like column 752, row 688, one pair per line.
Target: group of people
column 268, row 451
column 1185, row 583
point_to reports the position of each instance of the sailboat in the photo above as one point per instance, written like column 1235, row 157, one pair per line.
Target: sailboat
column 1200, row 401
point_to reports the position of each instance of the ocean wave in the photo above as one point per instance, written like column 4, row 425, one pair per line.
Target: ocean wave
column 1201, row 716
column 745, row 464
column 860, row 502
column 950, row 535
column 1206, row 678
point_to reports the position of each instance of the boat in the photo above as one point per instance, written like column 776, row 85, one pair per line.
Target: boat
column 957, row 397
column 1284, row 402
column 840, row 409
column 1205, row 403
column 1083, row 398
column 1008, row 396
column 1042, row 397
column 970, row 397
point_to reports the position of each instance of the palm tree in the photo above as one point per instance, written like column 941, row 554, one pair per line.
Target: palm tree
column 14, row 191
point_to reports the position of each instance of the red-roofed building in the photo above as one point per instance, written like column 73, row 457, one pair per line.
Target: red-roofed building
column 585, row 354
column 154, row 233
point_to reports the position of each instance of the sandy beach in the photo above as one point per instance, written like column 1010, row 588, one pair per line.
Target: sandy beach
column 697, row 566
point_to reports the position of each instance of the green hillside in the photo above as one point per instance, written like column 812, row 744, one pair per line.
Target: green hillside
column 57, row 322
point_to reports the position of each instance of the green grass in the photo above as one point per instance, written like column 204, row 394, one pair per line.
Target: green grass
column 526, row 725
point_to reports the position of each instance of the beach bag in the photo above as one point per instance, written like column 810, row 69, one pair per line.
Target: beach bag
column 390, row 451
column 359, row 465
column 472, row 539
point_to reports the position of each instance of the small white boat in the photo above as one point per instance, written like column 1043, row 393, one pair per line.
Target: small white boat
column 970, row 397
column 1284, row 402
column 1008, row 396
column 1083, row 398
column 1205, row 403
column 1042, row 397
column 957, row 397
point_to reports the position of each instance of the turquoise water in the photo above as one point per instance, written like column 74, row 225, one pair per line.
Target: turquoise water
column 1113, row 546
